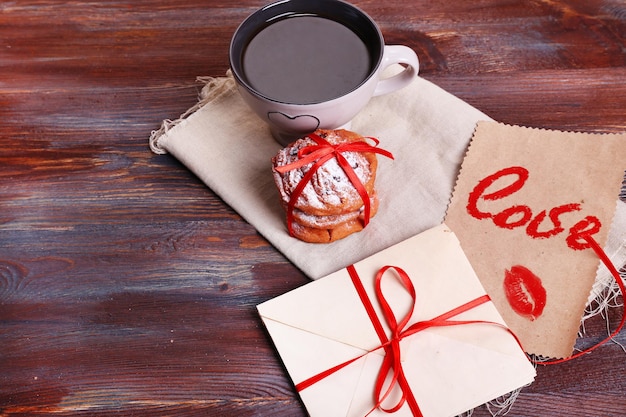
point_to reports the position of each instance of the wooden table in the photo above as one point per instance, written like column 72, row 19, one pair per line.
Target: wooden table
column 127, row 287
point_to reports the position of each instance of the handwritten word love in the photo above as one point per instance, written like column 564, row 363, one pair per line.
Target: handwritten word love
column 520, row 215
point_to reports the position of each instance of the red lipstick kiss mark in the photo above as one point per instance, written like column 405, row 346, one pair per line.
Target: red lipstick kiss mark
column 524, row 292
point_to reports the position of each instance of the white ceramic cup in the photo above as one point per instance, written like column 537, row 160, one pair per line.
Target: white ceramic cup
column 290, row 119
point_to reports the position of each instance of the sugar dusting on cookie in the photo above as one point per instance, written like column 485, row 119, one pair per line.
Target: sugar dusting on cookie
column 330, row 185
column 326, row 184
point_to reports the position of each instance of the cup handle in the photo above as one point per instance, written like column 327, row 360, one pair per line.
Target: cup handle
column 397, row 54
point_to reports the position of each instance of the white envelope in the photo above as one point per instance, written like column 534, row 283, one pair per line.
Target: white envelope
column 449, row 369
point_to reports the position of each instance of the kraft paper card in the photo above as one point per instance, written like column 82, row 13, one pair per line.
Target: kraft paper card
column 340, row 321
column 524, row 200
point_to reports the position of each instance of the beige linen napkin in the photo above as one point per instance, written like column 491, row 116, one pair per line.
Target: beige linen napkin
column 427, row 129
column 229, row 148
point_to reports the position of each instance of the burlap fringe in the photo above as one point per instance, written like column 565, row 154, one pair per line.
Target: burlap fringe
column 213, row 87
column 609, row 298
column 606, row 291
column 500, row 406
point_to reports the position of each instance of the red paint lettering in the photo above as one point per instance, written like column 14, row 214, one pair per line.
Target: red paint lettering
column 479, row 191
column 533, row 227
column 503, row 219
column 588, row 226
column 521, row 215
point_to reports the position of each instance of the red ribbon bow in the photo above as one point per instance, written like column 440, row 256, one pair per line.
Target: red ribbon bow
column 391, row 344
column 318, row 155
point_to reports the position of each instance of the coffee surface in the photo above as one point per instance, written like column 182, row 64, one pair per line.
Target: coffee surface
column 306, row 59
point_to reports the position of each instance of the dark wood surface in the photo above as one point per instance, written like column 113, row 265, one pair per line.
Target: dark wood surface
column 127, row 287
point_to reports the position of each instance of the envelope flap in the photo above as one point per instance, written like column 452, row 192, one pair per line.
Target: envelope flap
column 305, row 354
column 329, row 307
column 441, row 274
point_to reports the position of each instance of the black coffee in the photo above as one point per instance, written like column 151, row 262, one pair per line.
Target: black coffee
column 306, row 59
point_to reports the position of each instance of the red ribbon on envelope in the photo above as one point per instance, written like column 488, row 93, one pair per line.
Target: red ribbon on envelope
column 391, row 344
column 318, row 155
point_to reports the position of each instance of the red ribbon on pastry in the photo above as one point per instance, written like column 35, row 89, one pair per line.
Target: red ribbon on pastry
column 391, row 344
column 318, row 155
